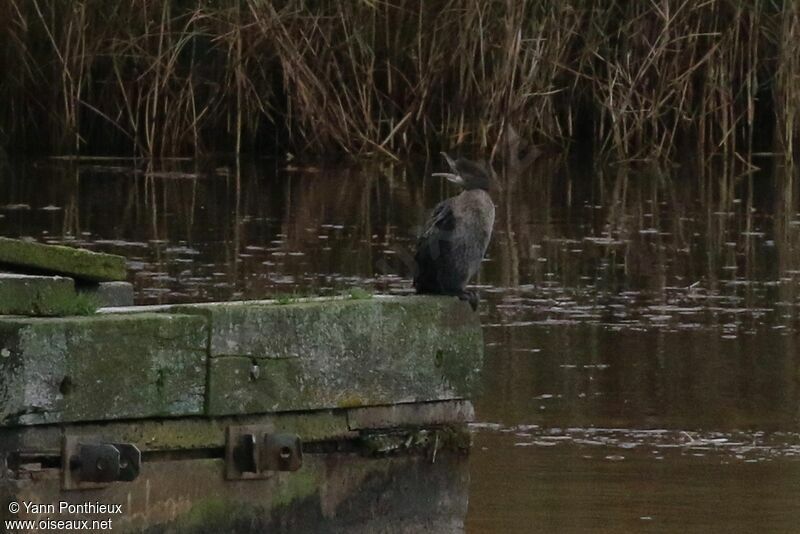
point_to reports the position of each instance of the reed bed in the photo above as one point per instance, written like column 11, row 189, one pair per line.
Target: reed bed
column 644, row 80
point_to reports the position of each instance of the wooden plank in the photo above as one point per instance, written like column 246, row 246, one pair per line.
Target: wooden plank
column 238, row 359
column 341, row 354
column 186, row 433
column 101, row 367
column 415, row 414
column 330, row 493
column 57, row 259
column 22, row 294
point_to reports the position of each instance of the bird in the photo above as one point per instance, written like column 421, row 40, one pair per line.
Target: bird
column 455, row 237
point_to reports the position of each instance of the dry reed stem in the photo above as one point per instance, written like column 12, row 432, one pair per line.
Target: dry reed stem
column 642, row 80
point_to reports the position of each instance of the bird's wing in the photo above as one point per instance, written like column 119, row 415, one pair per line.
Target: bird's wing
column 433, row 242
column 441, row 221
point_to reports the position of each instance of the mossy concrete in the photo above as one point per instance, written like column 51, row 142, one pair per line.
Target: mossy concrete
column 57, row 259
column 340, row 353
column 36, row 295
column 108, row 294
column 101, row 367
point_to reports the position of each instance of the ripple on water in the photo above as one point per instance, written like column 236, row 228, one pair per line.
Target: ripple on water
column 738, row 445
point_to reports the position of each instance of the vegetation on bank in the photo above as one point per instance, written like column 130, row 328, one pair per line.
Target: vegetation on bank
column 633, row 80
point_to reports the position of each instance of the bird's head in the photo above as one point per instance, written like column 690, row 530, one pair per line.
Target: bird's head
column 468, row 174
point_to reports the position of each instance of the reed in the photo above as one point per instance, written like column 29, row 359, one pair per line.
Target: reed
column 634, row 80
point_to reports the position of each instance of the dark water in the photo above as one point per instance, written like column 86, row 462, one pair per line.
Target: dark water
column 641, row 333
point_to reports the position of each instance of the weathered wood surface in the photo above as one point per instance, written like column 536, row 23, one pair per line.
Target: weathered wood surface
column 189, row 433
column 419, row 414
column 58, row 296
column 331, row 493
column 238, row 358
column 55, row 370
column 341, row 354
column 57, row 259
column 22, row 294
column 407, row 476
column 109, row 293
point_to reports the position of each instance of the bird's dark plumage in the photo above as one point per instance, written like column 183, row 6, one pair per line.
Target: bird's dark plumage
column 455, row 238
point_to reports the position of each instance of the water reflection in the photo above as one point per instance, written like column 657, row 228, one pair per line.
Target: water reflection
column 561, row 375
column 641, row 327
column 592, row 489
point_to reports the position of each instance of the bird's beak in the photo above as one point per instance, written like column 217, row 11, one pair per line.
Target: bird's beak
column 455, row 178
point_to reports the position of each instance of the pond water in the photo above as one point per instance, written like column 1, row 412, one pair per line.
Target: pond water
column 641, row 370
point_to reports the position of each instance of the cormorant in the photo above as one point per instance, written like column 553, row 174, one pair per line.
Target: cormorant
column 452, row 246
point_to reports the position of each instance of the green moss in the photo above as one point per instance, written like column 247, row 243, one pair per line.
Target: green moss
column 285, row 299
column 46, row 296
column 341, row 353
column 313, row 426
column 291, row 298
column 80, row 304
column 451, row 438
column 456, row 438
column 208, row 515
column 117, row 366
column 352, row 401
column 438, row 358
column 229, row 515
column 296, row 486
column 78, row 263
column 309, row 355
column 358, row 293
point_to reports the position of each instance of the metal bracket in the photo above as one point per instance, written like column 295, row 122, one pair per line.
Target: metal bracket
column 255, row 452
column 90, row 462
